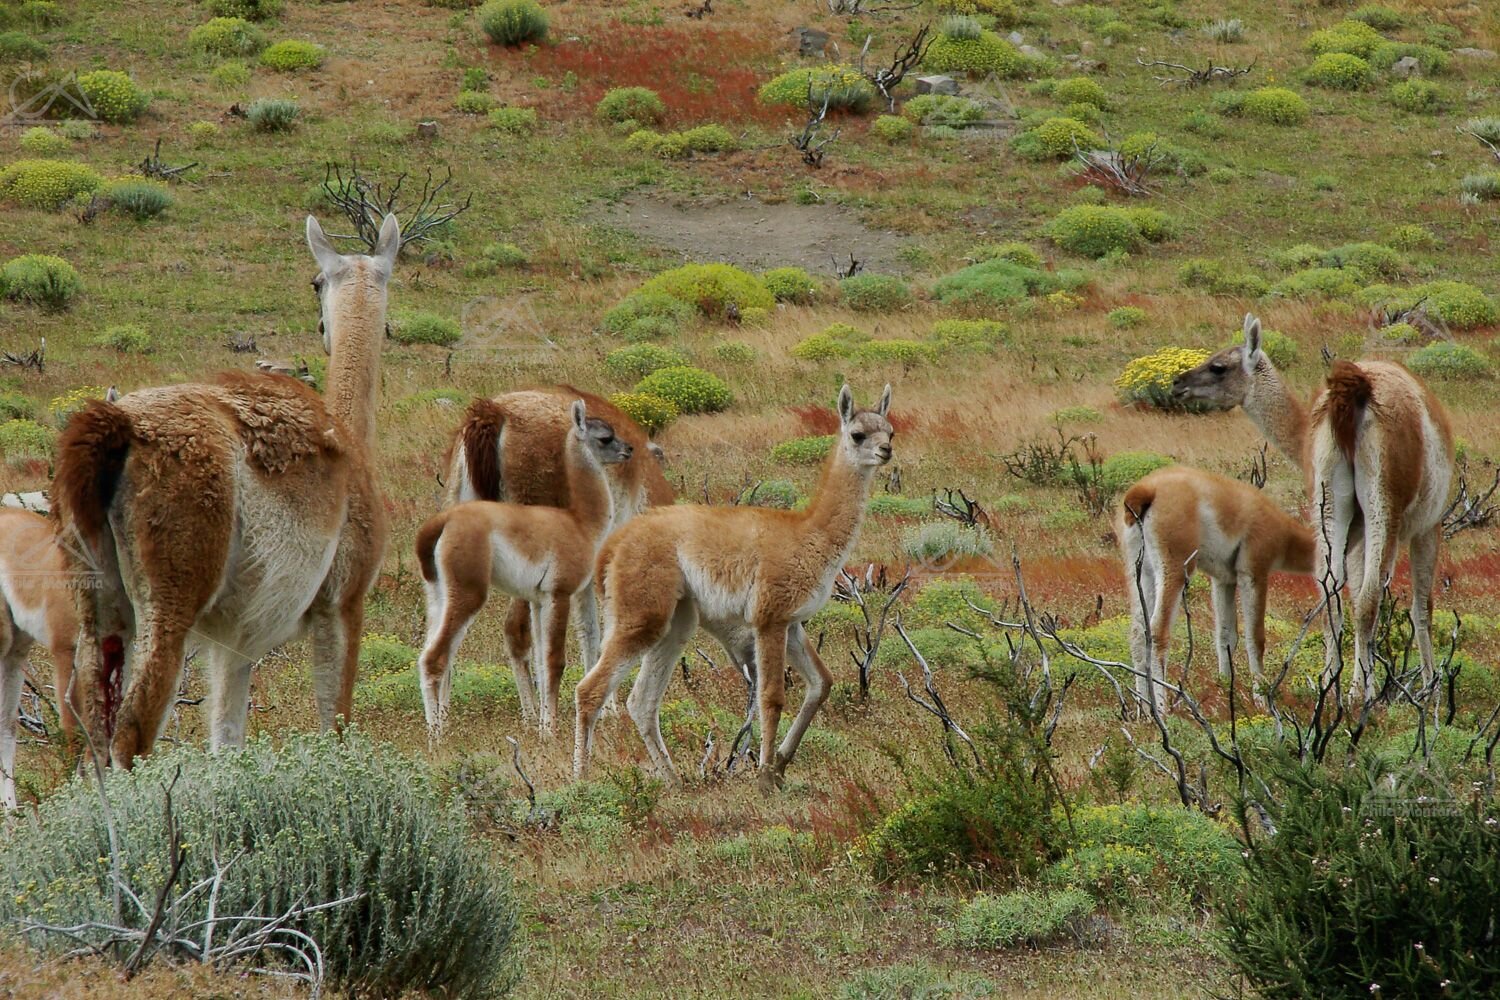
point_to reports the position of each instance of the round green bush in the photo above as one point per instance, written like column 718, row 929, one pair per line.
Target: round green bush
column 250, row 10
column 639, row 104
column 652, row 412
column 711, row 288
column 691, row 390
column 1483, row 186
column 997, row 282
column 1459, row 305
column 1316, row 282
column 504, row 255
column 968, row 336
column 1025, row 917
column 1367, row 260
column 735, row 352
column 1445, row 359
column 227, row 36
column 1275, row 106
column 1353, row 38
column 425, row 328
column 113, row 95
column 365, row 821
column 804, row 450
column 139, row 199
column 230, row 75
column 1097, row 230
column 513, row 22
column 892, row 128
column 1379, row 17
column 1411, row 236
column 474, row 102
column 1126, row 317
column 1059, row 138
column 1186, row 852
column 273, row 114
column 1213, row 277
column 1281, row 349
column 129, row 338
column 874, row 292
column 838, row 341
column 988, row 53
column 1340, row 71
column 40, row 279
column 639, row 360
column 17, row 46
column 1421, row 97
column 790, row 284
column 842, row 86
column 906, row 353
column 514, row 121
column 1124, row 468
column 42, row 141
column 1081, row 90
column 1429, row 59
column 944, row 109
column 648, row 316
column 22, row 439
column 292, row 55
column 1017, row 253
column 14, row 406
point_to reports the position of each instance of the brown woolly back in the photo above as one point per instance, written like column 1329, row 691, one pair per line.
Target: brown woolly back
column 1138, row 500
column 480, row 435
column 427, row 539
column 91, row 453
column 1348, row 392
column 281, row 420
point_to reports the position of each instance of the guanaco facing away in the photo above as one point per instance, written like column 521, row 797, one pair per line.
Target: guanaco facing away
column 1377, row 454
column 737, row 569
column 544, row 555
column 1178, row 520
column 36, row 607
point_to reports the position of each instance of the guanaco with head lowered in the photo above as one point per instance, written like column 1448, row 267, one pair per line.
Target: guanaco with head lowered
column 738, row 569
column 544, row 555
column 1376, row 449
column 1178, row 520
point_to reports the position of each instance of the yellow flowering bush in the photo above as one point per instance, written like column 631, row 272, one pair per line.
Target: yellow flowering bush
column 1148, row 380
column 1097, row 230
column 113, row 95
column 46, row 183
column 1353, row 38
column 227, row 36
column 293, row 54
column 988, row 53
column 691, row 390
column 844, row 87
column 712, row 288
column 61, row 408
column 652, row 412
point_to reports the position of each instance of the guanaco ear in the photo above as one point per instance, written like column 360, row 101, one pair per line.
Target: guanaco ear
column 580, row 419
column 323, row 252
column 388, row 245
column 1251, row 354
column 885, row 401
column 846, row 404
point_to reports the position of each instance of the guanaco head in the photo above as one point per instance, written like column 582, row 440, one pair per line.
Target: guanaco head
column 598, row 437
column 865, row 435
column 340, row 274
column 1223, row 381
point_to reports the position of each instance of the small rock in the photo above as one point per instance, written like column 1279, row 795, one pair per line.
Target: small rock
column 1016, row 38
column 1030, row 51
column 1086, row 47
column 1406, row 67
column 937, row 85
column 1437, row 152
column 810, row 41
column 427, row 130
column 1475, row 53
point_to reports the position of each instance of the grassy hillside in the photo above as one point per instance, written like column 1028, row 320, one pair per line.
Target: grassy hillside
column 1316, row 210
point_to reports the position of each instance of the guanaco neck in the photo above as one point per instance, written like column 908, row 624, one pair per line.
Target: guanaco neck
column 356, row 327
column 831, row 521
column 591, row 502
column 1280, row 415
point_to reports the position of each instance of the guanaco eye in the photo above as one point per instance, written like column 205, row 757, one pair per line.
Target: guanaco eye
column 857, row 437
column 1218, row 369
column 317, row 284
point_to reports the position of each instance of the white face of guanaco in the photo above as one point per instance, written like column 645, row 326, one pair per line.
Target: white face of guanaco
column 334, row 267
column 865, row 435
column 598, row 436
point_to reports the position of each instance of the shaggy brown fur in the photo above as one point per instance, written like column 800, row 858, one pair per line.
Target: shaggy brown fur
column 1346, row 394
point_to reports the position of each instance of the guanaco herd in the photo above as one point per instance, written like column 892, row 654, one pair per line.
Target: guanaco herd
column 233, row 516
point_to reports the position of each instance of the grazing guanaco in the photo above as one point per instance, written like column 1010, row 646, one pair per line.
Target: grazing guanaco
column 232, row 516
column 36, row 607
column 544, row 555
column 1376, row 451
column 1178, row 520
column 738, row 570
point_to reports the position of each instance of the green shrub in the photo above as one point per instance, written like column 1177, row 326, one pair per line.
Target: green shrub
column 1401, row 333
column 1281, row 349
column 40, row 279
column 1487, row 129
column 1367, row 260
column 292, row 55
column 425, row 328
column 513, row 22
column 250, row 10
column 653, row 413
column 942, row 542
column 273, row 114
column 1126, row 317
column 1027, row 917
column 711, row 288
column 1380, row 18
column 1295, row 258
column 514, row 121
column 14, row 406
column 639, row 360
column 1421, row 97
column 42, row 13
column 227, row 36
column 646, row 315
column 842, row 86
column 1314, row 282
column 998, row 282
column 1016, row 253
column 735, row 352
column 139, row 199
column 1214, row 278
column 202, row 133
column 1429, row 59
column 366, row 822
column 1483, row 186
column 944, row 109
column 1459, row 305
column 474, row 102
column 988, row 53
column 230, row 75
column 968, row 336
column 639, row 104
column 504, row 255
column 1148, row 380
column 1124, row 468
column 889, row 505
column 1080, row 90
column 1340, row 71
column 906, row 353
column 1056, row 138
column 23, row 439
column 17, row 46
column 1346, row 38
column 1077, row 415
column 892, row 128
column 1273, row 105
column 1123, row 855
column 874, row 292
column 674, row 145
column 42, row 141
column 113, row 95
column 127, row 339
column 804, row 450
column 1444, row 359
column 1097, row 230
column 691, row 390
column 790, row 284
column 1366, row 883
column 823, row 347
